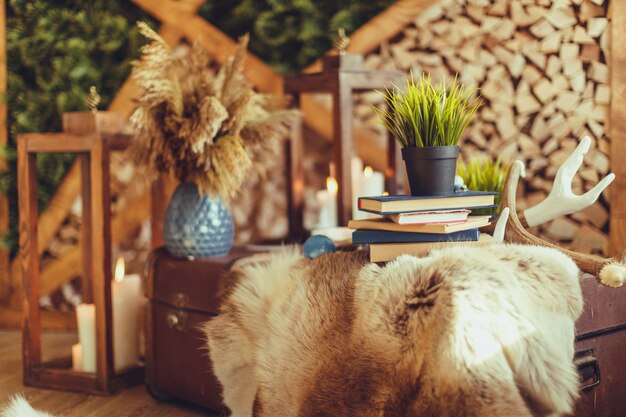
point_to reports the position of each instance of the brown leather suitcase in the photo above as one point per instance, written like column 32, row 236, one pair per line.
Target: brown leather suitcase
column 182, row 295
column 601, row 351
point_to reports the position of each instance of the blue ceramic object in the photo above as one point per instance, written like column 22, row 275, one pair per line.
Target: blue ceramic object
column 318, row 245
column 196, row 225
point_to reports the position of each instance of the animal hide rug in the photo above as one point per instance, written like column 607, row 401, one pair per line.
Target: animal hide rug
column 464, row 332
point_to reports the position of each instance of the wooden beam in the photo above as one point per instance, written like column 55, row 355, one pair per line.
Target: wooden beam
column 381, row 28
column 220, row 45
column 70, row 187
column 618, row 126
column 5, row 281
column 50, row 320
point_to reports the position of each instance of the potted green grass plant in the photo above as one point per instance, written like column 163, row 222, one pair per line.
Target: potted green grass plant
column 428, row 121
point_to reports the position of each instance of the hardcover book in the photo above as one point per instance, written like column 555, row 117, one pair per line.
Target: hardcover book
column 472, row 222
column 423, row 217
column 364, row 237
column 395, row 204
column 384, row 252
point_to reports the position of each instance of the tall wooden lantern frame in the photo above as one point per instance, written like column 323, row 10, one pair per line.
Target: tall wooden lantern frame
column 341, row 76
column 92, row 137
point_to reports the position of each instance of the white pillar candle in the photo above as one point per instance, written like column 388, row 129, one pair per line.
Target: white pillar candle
column 357, row 184
column 327, row 201
column 126, row 300
column 86, row 318
column 77, row 357
column 373, row 185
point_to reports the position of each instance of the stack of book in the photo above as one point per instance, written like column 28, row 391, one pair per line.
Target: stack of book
column 416, row 225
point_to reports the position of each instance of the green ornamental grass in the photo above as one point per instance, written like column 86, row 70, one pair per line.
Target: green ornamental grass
column 428, row 115
column 482, row 173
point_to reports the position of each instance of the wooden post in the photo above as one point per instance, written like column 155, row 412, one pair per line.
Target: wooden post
column 29, row 255
column 618, row 127
column 343, row 147
column 394, row 178
column 295, row 178
column 86, row 229
column 100, row 262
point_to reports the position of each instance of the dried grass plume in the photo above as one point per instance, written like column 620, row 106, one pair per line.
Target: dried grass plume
column 209, row 129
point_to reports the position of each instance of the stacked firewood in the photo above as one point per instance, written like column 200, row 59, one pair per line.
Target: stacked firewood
column 542, row 69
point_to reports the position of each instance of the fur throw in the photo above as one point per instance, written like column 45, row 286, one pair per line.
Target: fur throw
column 19, row 407
column 464, row 332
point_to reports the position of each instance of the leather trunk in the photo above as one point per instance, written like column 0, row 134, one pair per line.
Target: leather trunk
column 601, row 351
column 182, row 295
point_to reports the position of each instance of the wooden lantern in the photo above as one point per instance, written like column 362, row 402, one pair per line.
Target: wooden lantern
column 340, row 77
column 92, row 136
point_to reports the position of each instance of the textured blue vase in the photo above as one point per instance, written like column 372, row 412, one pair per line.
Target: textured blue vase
column 197, row 226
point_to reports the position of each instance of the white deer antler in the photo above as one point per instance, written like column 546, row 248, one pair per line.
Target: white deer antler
column 562, row 199
column 608, row 271
column 500, row 229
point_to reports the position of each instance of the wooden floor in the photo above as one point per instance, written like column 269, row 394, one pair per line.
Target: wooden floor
column 133, row 402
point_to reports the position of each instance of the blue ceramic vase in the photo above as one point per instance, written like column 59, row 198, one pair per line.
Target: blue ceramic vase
column 196, row 225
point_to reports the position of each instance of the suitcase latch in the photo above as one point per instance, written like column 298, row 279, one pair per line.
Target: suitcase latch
column 176, row 320
column 588, row 369
column 181, row 300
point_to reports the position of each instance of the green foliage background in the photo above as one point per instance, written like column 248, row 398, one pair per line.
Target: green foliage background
column 290, row 34
column 56, row 49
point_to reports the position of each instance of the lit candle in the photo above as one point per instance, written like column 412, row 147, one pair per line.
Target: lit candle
column 126, row 300
column 373, row 185
column 86, row 318
column 327, row 201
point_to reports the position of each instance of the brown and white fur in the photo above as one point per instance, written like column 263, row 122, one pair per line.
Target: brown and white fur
column 463, row 332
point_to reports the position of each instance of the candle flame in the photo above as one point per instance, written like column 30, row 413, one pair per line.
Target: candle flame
column 368, row 171
column 331, row 185
column 119, row 269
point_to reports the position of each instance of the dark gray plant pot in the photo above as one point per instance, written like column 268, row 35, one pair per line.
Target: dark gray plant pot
column 431, row 169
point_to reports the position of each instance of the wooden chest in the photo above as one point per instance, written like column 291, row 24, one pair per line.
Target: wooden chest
column 183, row 295
column 601, row 351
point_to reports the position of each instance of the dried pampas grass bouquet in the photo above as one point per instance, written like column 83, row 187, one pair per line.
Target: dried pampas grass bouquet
column 212, row 130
